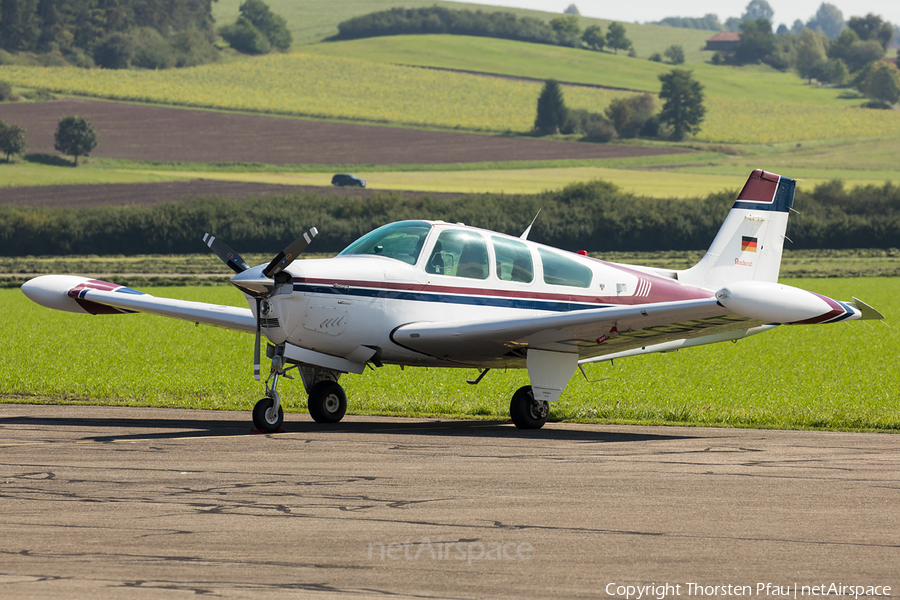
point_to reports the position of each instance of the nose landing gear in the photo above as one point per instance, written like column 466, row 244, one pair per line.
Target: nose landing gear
column 327, row 401
column 268, row 414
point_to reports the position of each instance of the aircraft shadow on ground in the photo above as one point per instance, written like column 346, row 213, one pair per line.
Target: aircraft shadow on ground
column 150, row 429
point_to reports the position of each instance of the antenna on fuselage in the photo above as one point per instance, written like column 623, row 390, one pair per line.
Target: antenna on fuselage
column 524, row 236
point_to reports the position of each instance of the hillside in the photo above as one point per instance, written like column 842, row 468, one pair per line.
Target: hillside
column 539, row 61
column 312, row 20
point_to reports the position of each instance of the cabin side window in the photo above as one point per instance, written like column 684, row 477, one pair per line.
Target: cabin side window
column 560, row 270
column 513, row 260
column 459, row 253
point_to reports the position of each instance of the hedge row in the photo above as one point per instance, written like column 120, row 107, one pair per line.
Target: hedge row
column 594, row 216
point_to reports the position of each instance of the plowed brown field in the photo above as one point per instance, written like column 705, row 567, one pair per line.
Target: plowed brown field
column 141, row 132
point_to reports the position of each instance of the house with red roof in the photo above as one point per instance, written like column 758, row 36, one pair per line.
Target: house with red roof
column 723, row 42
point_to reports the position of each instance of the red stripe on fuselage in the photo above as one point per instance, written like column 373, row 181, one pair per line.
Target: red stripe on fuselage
column 673, row 291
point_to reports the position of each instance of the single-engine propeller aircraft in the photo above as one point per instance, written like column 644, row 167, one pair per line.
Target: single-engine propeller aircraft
column 430, row 293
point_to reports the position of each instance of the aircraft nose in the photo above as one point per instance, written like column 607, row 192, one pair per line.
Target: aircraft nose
column 253, row 282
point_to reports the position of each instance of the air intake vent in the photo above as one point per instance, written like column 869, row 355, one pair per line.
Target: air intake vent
column 269, row 323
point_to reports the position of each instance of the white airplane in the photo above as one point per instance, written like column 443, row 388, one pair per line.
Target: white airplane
column 430, row 293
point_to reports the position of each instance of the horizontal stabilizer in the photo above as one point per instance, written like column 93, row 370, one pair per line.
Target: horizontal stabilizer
column 868, row 313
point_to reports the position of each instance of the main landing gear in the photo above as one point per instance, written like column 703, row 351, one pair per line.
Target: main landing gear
column 526, row 412
column 327, row 401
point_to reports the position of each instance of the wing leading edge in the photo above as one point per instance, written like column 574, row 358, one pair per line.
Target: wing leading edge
column 92, row 296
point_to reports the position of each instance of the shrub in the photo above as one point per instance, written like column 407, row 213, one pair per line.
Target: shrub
column 114, row 51
column 675, row 54
column 245, row 38
column 629, row 116
column 151, row 50
column 192, row 47
column 594, row 127
column 5, row 91
column 656, row 57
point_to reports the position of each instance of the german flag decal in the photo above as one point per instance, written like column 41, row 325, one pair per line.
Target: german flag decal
column 748, row 244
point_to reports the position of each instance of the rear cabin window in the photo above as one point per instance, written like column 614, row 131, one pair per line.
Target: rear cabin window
column 513, row 260
column 459, row 253
column 560, row 270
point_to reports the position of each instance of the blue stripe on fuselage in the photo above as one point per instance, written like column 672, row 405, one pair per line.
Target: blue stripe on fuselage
column 417, row 296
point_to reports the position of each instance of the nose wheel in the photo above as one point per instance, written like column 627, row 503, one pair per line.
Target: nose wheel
column 526, row 412
column 267, row 417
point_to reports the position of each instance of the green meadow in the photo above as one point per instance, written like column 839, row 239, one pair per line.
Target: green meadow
column 839, row 376
column 571, row 65
column 313, row 20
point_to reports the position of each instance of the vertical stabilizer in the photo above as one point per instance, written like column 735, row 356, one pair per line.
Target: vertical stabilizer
column 749, row 244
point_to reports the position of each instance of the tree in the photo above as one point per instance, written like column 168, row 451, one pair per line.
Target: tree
column 273, row 26
column 75, row 136
column 882, row 83
column 568, row 32
column 756, row 10
column 675, row 54
column 593, row 37
column 12, row 139
column 871, row 27
column 810, row 50
column 863, row 53
column 114, row 51
column 572, row 10
column 829, row 20
column 551, row 109
column 616, row 38
column 683, row 109
column 756, row 44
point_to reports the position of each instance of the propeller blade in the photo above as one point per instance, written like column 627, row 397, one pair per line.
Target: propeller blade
column 228, row 256
column 287, row 256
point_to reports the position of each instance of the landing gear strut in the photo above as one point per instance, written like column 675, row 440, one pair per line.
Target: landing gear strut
column 526, row 412
column 268, row 414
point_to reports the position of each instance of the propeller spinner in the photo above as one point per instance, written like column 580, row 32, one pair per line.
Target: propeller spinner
column 257, row 289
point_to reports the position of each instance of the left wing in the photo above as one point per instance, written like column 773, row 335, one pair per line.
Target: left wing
column 590, row 332
column 92, row 296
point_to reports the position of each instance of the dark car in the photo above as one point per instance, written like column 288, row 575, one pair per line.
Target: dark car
column 344, row 179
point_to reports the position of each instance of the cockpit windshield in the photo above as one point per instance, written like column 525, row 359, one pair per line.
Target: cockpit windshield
column 402, row 241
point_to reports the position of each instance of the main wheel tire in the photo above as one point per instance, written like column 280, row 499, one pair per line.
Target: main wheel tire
column 327, row 402
column 266, row 419
column 526, row 412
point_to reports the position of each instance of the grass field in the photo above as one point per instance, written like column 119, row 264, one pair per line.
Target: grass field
column 348, row 88
column 834, row 376
column 698, row 177
column 505, row 57
column 654, row 184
